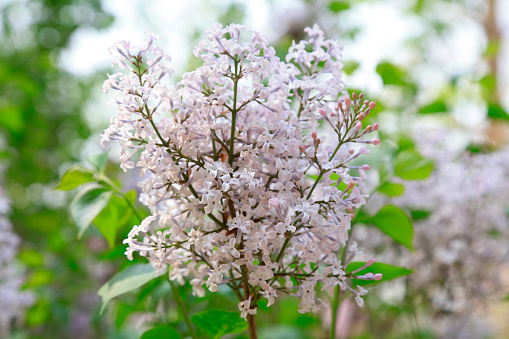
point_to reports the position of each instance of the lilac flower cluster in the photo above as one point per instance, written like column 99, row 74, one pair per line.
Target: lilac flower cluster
column 14, row 301
column 462, row 251
column 462, row 248
column 242, row 191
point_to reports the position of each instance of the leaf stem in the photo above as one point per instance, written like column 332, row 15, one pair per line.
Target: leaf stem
column 334, row 306
column 131, row 206
column 336, row 301
column 183, row 309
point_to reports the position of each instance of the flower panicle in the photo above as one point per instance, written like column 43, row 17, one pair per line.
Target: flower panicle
column 241, row 188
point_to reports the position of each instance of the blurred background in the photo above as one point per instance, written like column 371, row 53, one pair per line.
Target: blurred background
column 438, row 70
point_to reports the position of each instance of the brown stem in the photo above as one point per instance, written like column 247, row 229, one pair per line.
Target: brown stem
column 250, row 317
column 252, row 326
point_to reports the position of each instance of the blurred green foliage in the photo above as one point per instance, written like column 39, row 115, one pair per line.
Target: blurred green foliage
column 41, row 119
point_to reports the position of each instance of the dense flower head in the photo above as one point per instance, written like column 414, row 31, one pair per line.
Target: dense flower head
column 242, row 191
column 463, row 258
column 462, row 251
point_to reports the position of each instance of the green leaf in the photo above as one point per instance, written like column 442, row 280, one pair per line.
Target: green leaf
column 123, row 311
column 495, row 111
column 384, row 172
column 334, row 177
column 75, row 177
column 160, row 333
column 405, row 143
column 435, row 107
column 115, row 215
column 361, row 217
column 419, row 214
column 392, row 189
column 391, row 74
column 394, row 222
column 217, row 323
column 350, row 66
column 389, row 272
column 11, row 118
column 489, row 83
column 31, row 257
column 338, row 6
column 127, row 280
column 39, row 277
column 39, row 313
column 99, row 161
column 410, row 165
column 312, row 176
column 493, row 48
column 87, row 205
column 131, row 196
column 112, row 217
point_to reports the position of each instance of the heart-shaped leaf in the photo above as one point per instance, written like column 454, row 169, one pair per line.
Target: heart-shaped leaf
column 160, row 333
column 127, row 280
column 217, row 323
column 115, row 215
column 75, row 177
column 410, row 165
column 87, row 205
column 392, row 189
column 394, row 222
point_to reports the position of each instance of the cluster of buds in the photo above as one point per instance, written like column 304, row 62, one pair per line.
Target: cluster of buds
column 241, row 189
column 350, row 116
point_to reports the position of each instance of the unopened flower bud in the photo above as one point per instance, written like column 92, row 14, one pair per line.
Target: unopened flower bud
column 378, row 277
column 350, row 185
column 354, row 96
column 375, row 127
column 348, row 101
column 358, row 125
column 365, row 167
column 313, row 135
column 372, row 105
column 361, row 96
column 376, row 141
column 274, row 202
column 322, row 112
column 369, row 128
column 370, row 261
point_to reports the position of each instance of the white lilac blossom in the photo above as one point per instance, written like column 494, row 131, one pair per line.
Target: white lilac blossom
column 13, row 300
column 462, row 248
column 238, row 182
